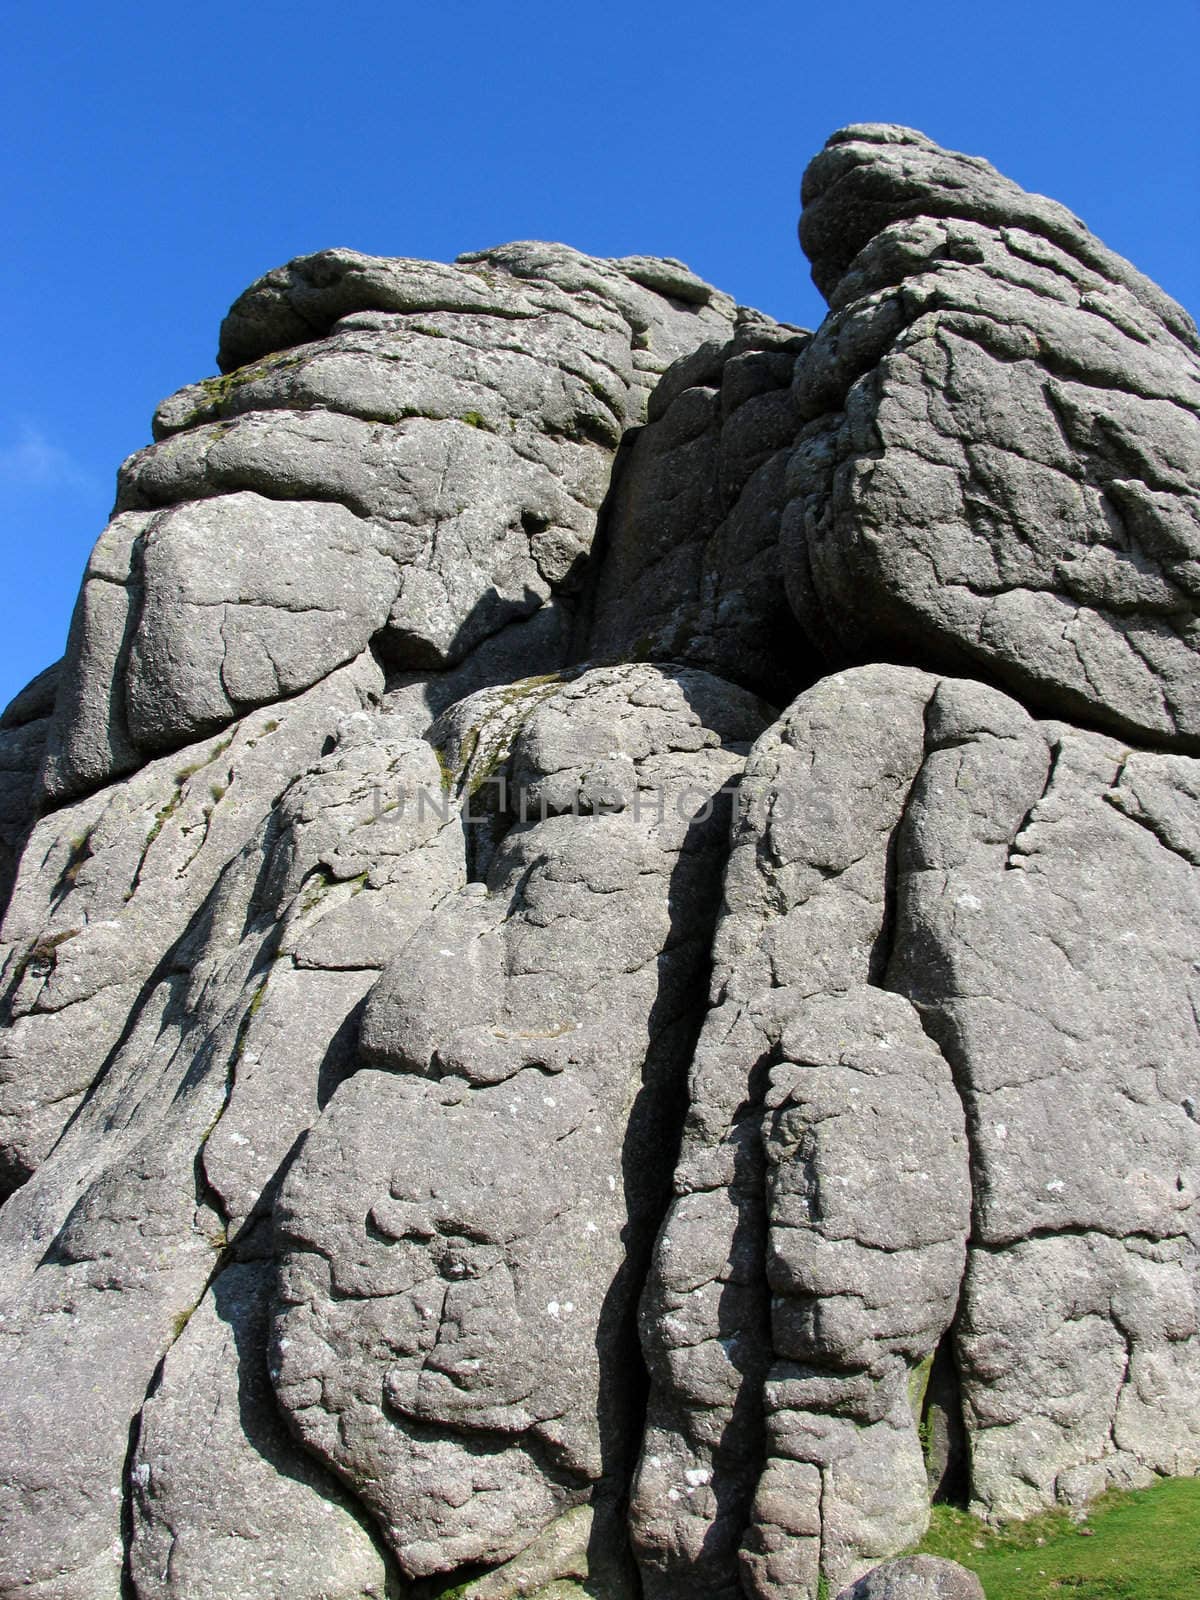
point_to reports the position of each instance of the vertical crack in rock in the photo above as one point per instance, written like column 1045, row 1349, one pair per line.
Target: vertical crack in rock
column 215, row 1081
column 704, row 1317
column 934, row 1387
column 1056, row 978
column 849, row 1100
column 941, row 1429
column 475, row 1330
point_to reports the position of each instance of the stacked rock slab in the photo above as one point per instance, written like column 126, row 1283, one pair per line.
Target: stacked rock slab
column 487, row 1101
column 998, row 472
column 691, row 568
column 403, row 453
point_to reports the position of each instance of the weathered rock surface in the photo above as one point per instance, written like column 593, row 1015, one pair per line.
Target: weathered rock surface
column 487, row 1102
column 916, row 1578
column 1001, row 876
column 998, row 467
column 692, row 567
column 1047, row 937
column 24, row 726
column 452, row 1341
column 417, row 455
column 276, row 1525
column 109, row 883
column 168, row 1167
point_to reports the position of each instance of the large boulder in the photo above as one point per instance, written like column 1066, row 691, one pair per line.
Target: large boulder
column 997, row 471
column 916, row 1578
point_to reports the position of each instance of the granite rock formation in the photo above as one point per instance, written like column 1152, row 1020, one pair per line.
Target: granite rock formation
column 600, row 970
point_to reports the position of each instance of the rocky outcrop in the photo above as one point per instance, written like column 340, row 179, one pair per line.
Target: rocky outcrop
column 601, row 964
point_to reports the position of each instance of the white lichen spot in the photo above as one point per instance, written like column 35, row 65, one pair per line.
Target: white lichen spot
column 969, row 902
column 697, row 1475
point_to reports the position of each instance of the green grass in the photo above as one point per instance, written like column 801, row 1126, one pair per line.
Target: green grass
column 1140, row 1546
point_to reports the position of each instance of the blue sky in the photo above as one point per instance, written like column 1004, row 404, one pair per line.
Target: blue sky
column 160, row 158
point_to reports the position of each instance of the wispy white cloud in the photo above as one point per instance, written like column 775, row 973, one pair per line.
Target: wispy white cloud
column 34, row 461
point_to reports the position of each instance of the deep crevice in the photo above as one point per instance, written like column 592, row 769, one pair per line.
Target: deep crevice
column 942, row 1428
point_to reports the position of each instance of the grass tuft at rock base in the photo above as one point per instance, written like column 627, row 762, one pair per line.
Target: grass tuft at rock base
column 1138, row 1546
